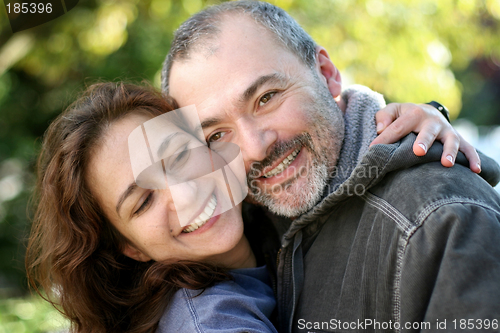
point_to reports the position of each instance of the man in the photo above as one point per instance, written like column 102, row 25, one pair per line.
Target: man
column 372, row 236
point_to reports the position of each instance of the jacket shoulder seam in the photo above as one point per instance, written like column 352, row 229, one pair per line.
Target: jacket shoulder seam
column 401, row 221
column 405, row 226
column 192, row 310
column 443, row 202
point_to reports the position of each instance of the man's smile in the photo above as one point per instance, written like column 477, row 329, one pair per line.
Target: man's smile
column 283, row 165
column 285, row 170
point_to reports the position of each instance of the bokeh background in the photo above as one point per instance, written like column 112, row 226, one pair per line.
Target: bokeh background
column 409, row 50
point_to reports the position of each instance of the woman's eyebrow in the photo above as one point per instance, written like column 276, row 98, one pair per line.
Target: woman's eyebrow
column 130, row 189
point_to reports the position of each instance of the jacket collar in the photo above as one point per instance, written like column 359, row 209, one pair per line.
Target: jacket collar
column 374, row 165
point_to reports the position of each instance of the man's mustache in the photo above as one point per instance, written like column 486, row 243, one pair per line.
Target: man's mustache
column 277, row 152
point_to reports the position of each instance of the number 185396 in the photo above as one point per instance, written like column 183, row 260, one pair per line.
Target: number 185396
column 29, row 7
column 475, row 324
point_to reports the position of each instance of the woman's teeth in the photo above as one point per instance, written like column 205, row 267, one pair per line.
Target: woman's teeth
column 283, row 165
column 204, row 216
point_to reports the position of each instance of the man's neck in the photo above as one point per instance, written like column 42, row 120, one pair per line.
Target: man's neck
column 341, row 103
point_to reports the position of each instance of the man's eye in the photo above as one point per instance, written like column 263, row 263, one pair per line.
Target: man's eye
column 216, row 137
column 266, row 98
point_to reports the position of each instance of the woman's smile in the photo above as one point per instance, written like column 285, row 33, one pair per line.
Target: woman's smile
column 204, row 217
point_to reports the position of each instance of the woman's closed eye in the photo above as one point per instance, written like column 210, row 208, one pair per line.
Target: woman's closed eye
column 180, row 159
column 145, row 204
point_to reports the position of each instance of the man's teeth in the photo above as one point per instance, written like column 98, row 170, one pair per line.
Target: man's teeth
column 204, row 216
column 283, row 165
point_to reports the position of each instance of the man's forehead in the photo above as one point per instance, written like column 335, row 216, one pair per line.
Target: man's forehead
column 226, row 28
column 239, row 35
column 232, row 25
column 234, row 62
column 243, row 52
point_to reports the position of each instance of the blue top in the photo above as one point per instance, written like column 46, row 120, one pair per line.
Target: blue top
column 242, row 305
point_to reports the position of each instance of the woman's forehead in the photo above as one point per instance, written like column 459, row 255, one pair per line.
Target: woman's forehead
column 109, row 171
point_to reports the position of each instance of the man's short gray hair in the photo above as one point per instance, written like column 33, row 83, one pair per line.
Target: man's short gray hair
column 202, row 27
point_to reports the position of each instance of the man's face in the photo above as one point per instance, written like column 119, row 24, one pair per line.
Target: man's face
column 251, row 91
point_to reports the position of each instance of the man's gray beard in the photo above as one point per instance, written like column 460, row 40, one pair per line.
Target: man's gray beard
column 328, row 128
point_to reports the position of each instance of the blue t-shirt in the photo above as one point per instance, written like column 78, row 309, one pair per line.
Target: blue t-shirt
column 242, row 305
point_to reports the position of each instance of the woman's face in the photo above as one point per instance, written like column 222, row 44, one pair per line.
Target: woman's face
column 148, row 218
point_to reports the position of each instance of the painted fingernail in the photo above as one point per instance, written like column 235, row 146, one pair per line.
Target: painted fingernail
column 421, row 145
column 380, row 126
column 450, row 158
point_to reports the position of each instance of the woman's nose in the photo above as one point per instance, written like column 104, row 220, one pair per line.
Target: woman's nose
column 181, row 198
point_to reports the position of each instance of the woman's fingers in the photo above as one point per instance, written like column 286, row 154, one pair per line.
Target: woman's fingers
column 397, row 120
column 385, row 116
column 428, row 134
column 471, row 154
column 451, row 144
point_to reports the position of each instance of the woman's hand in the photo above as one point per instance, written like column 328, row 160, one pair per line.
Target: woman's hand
column 397, row 120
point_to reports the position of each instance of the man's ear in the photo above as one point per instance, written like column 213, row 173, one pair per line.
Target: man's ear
column 134, row 253
column 328, row 70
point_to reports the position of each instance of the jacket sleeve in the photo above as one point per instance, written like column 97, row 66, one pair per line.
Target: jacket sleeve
column 450, row 272
column 224, row 308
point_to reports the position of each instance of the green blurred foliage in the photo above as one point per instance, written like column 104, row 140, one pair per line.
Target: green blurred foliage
column 33, row 315
column 410, row 50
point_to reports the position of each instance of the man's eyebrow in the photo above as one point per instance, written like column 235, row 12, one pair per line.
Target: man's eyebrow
column 131, row 188
column 248, row 93
column 210, row 122
column 270, row 78
column 164, row 145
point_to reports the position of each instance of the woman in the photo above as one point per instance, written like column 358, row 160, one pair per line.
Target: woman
column 113, row 256
column 115, row 269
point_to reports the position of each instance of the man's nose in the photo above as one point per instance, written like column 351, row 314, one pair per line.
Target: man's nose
column 254, row 138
